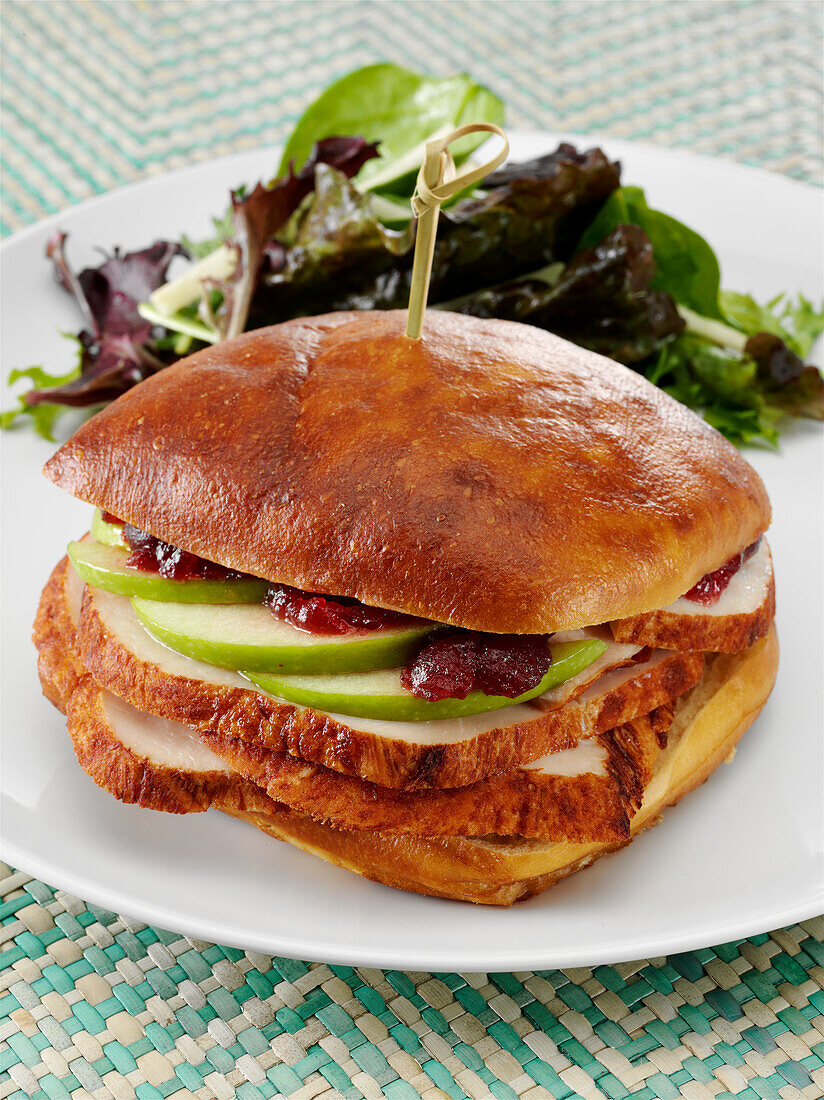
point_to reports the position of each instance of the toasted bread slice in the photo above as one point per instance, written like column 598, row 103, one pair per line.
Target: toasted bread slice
column 589, row 792
column 708, row 724
column 123, row 658
column 742, row 615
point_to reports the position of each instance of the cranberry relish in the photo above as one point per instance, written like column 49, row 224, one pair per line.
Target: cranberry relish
column 453, row 665
column 448, row 666
column 153, row 555
column 711, row 586
column 327, row 614
column 307, row 611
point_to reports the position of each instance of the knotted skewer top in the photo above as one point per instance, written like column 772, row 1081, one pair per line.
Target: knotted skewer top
column 439, row 180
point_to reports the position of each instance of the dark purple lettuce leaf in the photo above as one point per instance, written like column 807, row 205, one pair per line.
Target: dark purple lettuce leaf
column 789, row 384
column 115, row 344
column 527, row 223
column 602, row 300
column 257, row 216
column 341, row 257
column 547, row 165
column 56, row 252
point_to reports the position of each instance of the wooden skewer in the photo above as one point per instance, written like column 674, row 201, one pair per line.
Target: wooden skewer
column 438, row 181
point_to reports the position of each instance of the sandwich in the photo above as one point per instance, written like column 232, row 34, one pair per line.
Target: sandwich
column 460, row 614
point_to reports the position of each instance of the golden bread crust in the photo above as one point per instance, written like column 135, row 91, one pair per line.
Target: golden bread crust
column 312, row 736
column 501, row 871
column 715, row 715
column 489, row 475
column 419, row 865
column 523, row 802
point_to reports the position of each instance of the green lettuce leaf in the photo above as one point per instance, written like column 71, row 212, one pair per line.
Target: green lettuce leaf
column 737, row 394
column 797, row 322
column 222, row 226
column 43, row 416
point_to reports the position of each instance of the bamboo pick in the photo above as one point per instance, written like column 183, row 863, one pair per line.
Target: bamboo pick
column 438, row 181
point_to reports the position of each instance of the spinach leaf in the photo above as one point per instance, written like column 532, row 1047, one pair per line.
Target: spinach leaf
column 686, row 267
column 399, row 108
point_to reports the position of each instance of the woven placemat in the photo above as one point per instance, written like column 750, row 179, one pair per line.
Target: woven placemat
column 93, row 1004
column 96, row 94
column 96, row 1004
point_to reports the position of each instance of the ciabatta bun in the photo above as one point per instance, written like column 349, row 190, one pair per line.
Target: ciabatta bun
column 490, row 475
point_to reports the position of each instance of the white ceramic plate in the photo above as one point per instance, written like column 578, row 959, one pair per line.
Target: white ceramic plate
column 741, row 855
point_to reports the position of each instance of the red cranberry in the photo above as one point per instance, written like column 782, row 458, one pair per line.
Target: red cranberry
column 107, row 517
column 711, row 586
column 327, row 614
column 452, row 666
column 152, row 555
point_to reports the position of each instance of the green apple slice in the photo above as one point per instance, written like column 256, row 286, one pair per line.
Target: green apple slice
column 380, row 694
column 107, row 534
column 251, row 638
column 105, row 567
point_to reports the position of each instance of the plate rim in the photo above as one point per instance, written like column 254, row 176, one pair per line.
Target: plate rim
column 811, row 906
column 529, row 960
column 601, row 140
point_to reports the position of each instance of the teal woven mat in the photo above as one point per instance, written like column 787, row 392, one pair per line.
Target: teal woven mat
column 96, row 1004
column 96, row 94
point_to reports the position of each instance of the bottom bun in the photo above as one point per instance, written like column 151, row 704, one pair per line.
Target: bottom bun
column 709, row 721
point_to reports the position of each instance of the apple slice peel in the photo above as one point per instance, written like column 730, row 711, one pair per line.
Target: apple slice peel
column 380, row 694
column 105, row 567
column 250, row 638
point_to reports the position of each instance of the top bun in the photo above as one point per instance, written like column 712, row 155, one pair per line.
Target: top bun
column 490, row 475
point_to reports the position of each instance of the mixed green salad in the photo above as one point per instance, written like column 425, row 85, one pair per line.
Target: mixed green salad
column 559, row 242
